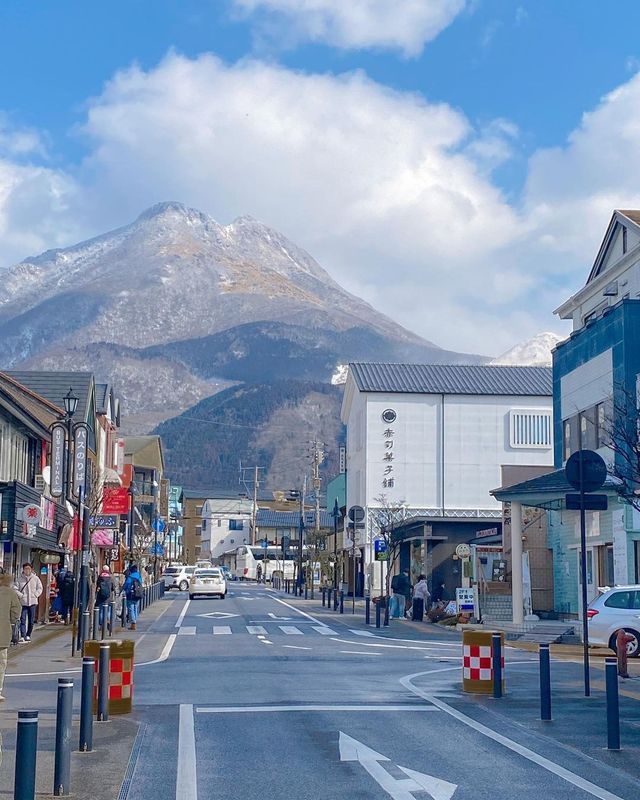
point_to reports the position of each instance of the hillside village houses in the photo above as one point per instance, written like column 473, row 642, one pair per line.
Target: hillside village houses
column 596, row 374
column 430, row 441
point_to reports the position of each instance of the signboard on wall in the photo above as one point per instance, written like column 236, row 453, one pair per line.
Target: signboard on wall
column 115, row 500
column 58, row 438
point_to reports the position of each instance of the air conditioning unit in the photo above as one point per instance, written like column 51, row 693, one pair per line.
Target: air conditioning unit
column 40, row 483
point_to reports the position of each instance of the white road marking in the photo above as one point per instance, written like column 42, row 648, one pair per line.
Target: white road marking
column 296, row 647
column 182, row 613
column 397, row 788
column 290, row 630
column 358, row 653
column 218, row 615
column 270, row 709
column 273, row 616
column 221, row 629
column 387, row 646
column 257, row 629
column 510, row 744
column 188, row 630
column 361, row 633
column 324, row 631
column 299, row 611
column 186, row 780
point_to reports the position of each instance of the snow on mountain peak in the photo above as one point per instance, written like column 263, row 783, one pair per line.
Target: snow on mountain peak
column 535, row 352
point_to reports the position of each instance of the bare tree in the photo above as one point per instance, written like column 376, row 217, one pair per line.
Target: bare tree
column 387, row 516
column 621, row 430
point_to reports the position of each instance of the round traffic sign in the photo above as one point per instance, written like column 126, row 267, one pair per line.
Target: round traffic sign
column 356, row 513
column 593, row 471
column 463, row 550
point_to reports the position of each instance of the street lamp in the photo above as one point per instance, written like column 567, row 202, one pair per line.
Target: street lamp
column 70, row 403
column 336, row 515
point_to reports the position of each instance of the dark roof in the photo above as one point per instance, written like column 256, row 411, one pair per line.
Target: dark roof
column 102, row 395
column 53, row 386
column 452, row 379
column 267, row 518
column 36, row 412
column 551, row 483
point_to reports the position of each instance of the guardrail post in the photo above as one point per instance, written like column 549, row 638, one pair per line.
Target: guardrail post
column 104, row 610
column 62, row 757
column 103, row 683
column 24, row 785
column 545, row 683
column 378, row 610
column 386, row 612
column 85, row 624
column 367, row 610
column 613, row 704
column 112, row 616
column 85, row 743
column 341, row 602
column 496, row 655
column 96, row 622
column 324, row 593
column 336, row 599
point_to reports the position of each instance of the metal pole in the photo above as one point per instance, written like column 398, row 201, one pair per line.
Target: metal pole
column 62, row 758
column 105, row 611
column 341, row 602
column 103, row 683
column 496, row 653
column 85, row 622
column 367, row 610
column 112, row 616
column 323, row 596
column 85, row 743
column 583, row 573
column 336, row 600
column 613, row 704
column 24, row 785
column 385, row 600
column 378, row 608
column 545, row 683
column 96, row 621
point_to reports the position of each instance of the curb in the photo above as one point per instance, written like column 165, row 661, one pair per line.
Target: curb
column 47, row 634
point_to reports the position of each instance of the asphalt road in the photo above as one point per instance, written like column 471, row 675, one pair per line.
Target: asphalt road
column 255, row 698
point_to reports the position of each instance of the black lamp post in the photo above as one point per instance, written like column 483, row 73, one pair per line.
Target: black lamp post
column 70, row 405
column 336, row 515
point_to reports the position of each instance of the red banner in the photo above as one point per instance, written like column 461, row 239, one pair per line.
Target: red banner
column 115, row 500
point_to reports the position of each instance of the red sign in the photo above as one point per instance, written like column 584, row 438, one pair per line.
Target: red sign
column 115, row 500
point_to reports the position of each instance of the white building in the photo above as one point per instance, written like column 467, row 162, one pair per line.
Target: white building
column 432, row 439
column 226, row 524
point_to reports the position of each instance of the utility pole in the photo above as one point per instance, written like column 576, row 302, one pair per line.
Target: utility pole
column 317, row 457
column 254, row 507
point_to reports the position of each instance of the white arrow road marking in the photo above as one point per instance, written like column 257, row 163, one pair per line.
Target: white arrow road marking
column 399, row 789
column 218, row 615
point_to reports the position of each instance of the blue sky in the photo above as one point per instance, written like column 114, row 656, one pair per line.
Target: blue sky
column 502, row 89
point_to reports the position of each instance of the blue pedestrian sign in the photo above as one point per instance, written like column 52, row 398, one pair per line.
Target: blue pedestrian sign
column 156, row 550
column 380, row 550
column 264, row 543
column 158, row 525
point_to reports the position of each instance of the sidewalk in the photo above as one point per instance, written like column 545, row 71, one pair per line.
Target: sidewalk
column 32, row 676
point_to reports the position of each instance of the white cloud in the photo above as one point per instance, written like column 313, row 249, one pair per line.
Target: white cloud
column 392, row 194
column 404, row 25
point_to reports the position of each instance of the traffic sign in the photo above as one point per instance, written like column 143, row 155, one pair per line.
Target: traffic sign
column 463, row 550
column 593, row 471
column 156, row 549
column 158, row 525
column 380, row 550
column 356, row 513
column 592, row 502
column 264, row 543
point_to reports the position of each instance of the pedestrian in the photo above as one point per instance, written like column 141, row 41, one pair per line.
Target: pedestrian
column 104, row 590
column 10, row 611
column 30, row 588
column 421, row 598
column 401, row 588
column 259, row 573
column 437, row 596
column 66, row 581
column 132, row 589
column 622, row 640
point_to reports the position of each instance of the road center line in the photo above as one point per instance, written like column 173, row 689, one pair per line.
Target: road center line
column 525, row 752
column 358, row 653
column 272, row 709
column 182, row 613
column 186, row 781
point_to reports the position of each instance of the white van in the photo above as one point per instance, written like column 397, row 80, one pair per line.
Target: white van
column 177, row 576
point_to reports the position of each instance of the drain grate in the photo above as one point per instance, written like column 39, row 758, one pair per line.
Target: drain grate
column 131, row 766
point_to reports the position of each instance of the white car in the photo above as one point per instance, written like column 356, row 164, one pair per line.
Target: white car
column 177, row 576
column 613, row 609
column 208, row 581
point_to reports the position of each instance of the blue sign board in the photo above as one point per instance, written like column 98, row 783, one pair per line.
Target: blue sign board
column 380, row 549
column 158, row 525
column 264, row 543
column 156, row 550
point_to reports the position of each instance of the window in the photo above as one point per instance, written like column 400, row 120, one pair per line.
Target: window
column 204, row 524
column 635, row 600
column 530, row 428
column 601, row 433
column 199, row 511
column 198, row 530
column 219, row 523
column 624, row 239
column 236, row 524
column 566, row 439
column 619, row 600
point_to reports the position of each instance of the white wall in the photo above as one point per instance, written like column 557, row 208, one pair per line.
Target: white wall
column 587, row 385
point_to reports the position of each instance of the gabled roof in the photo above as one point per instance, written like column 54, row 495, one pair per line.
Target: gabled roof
column 266, row 518
column 53, row 386
column 32, row 410
column 553, row 483
column 619, row 217
column 472, row 379
column 144, row 451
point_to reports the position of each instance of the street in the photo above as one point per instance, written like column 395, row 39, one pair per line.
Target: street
column 263, row 695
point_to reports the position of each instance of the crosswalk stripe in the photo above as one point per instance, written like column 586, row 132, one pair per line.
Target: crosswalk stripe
column 187, row 631
column 221, row 629
column 324, row 630
column 291, row 630
column 256, row 629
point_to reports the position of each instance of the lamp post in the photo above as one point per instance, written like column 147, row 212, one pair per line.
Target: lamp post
column 336, row 515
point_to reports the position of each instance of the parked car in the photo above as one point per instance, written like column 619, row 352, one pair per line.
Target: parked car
column 208, row 581
column 177, row 576
column 615, row 608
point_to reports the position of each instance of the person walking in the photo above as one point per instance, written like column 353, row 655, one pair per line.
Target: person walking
column 132, row 589
column 66, row 582
column 104, row 590
column 30, row 588
column 421, row 598
column 10, row 611
column 401, row 588
column 437, row 595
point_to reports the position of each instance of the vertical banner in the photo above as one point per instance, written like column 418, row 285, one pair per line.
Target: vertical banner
column 80, row 437
column 58, row 459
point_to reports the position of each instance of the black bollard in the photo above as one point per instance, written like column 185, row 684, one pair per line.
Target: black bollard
column 367, row 610
column 96, row 623
column 103, row 683
column 104, row 609
column 378, row 609
column 306, row 593
column 336, row 599
column 323, row 596
column 613, row 704
column 496, row 654
column 62, row 758
column 85, row 743
column 123, row 612
column 385, row 601
column 24, row 785
column 112, row 616
column 85, row 622
column 342, row 602
column 545, row 683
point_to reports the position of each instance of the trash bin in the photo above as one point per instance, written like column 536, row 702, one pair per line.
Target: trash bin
column 121, row 660
column 477, row 662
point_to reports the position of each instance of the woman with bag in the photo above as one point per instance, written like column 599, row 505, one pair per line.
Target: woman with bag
column 30, row 588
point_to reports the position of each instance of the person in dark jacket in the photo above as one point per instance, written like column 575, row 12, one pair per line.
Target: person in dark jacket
column 66, row 582
column 401, row 587
column 132, row 589
column 104, row 590
column 437, row 595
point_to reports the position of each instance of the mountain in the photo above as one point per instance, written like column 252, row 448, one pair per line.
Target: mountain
column 535, row 352
column 175, row 307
